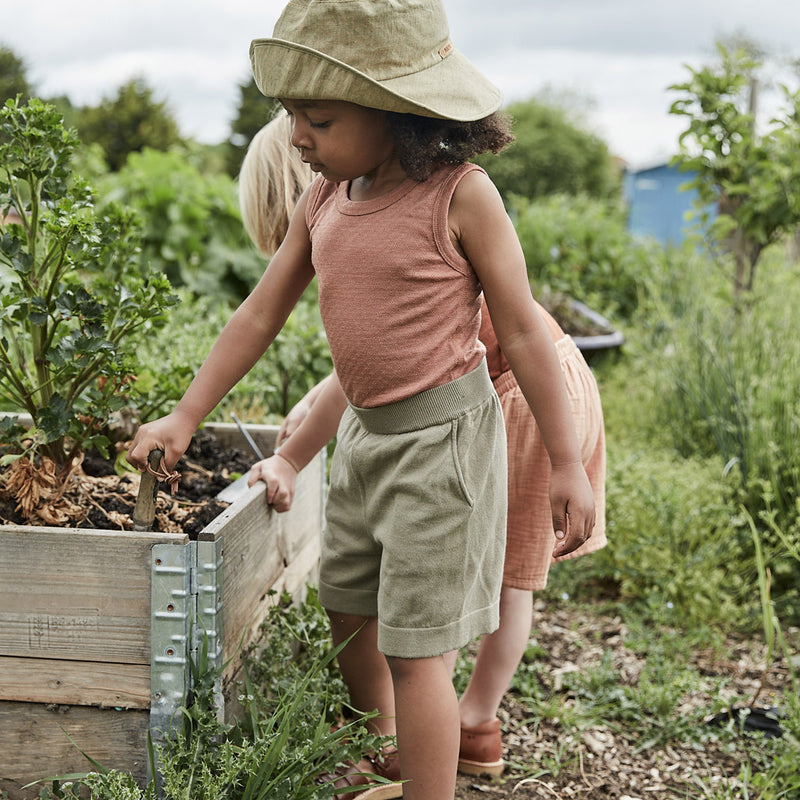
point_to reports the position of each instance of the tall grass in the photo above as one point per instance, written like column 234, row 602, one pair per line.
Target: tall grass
column 727, row 384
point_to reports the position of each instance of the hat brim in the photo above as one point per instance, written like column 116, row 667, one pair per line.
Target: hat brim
column 451, row 89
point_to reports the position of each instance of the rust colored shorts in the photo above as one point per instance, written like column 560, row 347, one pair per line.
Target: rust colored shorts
column 530, row 539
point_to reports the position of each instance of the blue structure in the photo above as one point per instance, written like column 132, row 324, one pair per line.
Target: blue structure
column 657, row 206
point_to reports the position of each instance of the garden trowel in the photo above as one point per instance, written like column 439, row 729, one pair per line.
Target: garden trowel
column 236, row 489
column 145, row 510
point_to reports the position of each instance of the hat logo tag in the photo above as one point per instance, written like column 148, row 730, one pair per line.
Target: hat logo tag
column 445, row 50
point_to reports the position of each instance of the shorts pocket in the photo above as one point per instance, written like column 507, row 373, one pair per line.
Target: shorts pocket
column 458, row 462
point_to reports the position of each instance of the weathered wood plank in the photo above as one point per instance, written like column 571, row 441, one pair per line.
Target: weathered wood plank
column 74, row 594
column 259, row 543
column 294, row 579
column 85, row 683
column 75, row 622
column 304, row 569
column 35, row 745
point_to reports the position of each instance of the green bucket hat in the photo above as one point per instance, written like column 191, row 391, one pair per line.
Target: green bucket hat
column 395, row 55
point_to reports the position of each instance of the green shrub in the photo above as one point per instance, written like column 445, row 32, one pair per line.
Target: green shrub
column 193, row 231
column 297, row 360
column 580, row 246
column 672, row 554
column 552, row 153
column 74, row 299
column 727, row 383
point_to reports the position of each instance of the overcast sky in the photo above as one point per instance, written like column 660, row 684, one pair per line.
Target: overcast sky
column 619, row 55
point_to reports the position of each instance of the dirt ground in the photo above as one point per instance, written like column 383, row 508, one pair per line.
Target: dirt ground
column 604, row 762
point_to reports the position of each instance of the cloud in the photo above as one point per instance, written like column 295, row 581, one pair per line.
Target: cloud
column 620, row 53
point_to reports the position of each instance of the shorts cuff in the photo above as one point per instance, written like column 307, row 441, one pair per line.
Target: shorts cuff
column 429, row 642
column 361, row 602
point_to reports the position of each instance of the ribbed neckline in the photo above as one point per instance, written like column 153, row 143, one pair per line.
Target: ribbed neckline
column 355, row 208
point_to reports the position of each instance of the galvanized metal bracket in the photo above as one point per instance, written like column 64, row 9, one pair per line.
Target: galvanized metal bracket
column 207, row 590
column 172, row 610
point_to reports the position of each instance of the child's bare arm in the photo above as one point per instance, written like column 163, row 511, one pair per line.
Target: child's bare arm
column 486, row 236
column 241, row 343
column 319, row 426
column 299, row 412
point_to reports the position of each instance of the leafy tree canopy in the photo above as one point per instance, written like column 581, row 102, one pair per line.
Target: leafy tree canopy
column 752, row 175
column 255, row 111
column 128, row 123
column 551, row 155
column 13, row 76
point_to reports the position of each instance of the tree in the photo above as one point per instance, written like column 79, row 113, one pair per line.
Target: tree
column 255, row 111
column 128, row 123
column 754, row 179
column 13, row 76
column 551, row 155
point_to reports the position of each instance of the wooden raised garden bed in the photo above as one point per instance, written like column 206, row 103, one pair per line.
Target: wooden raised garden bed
column 97, row 626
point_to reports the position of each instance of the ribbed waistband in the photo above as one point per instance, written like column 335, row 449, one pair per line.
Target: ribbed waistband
column 432, row 407
column 564, row 347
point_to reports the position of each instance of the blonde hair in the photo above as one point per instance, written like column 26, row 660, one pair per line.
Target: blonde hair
column 271, row 180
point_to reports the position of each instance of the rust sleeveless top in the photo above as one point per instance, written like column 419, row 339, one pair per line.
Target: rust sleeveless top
column 400, row 305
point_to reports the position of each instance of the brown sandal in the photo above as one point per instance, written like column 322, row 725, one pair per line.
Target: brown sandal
column 357, row 780
column 481, row 750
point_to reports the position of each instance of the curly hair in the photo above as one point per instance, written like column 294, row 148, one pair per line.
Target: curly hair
column 423, row 144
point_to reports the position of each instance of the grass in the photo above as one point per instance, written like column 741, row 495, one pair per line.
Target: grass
column 293, row 728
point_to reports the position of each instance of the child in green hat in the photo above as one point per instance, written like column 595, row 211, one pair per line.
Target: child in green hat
column 405, row 237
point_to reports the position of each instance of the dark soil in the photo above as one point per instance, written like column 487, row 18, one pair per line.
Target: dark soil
column 571, row 320
column 106, row 500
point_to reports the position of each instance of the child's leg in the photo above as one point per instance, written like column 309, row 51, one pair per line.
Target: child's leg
column 499, row 655
column 427, row 727
column 364, row 669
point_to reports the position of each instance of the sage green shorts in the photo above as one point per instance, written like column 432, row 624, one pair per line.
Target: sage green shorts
column 416, row 517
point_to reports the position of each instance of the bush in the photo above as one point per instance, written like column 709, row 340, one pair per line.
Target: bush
column 193, row 231
column 671, row 554
column 552, row 153
column 297, row 360
column 580, row 246
column 74, row 295
column 728, row 384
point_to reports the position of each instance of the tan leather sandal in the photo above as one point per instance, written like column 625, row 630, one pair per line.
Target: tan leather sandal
column 481, row 750
column 358, row 781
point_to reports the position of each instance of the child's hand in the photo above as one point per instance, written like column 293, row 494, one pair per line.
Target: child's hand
column 572, row 504
column 171, row 434
column 292, row 421
column 280, row 477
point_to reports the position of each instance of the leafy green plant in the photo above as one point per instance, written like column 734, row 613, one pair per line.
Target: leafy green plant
column 579, row 245
column 73, row 295
column 728, row 383
column 670, row 552
column 297, row 360
column 752, row 178
column 193, row 230
column 553, row 152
